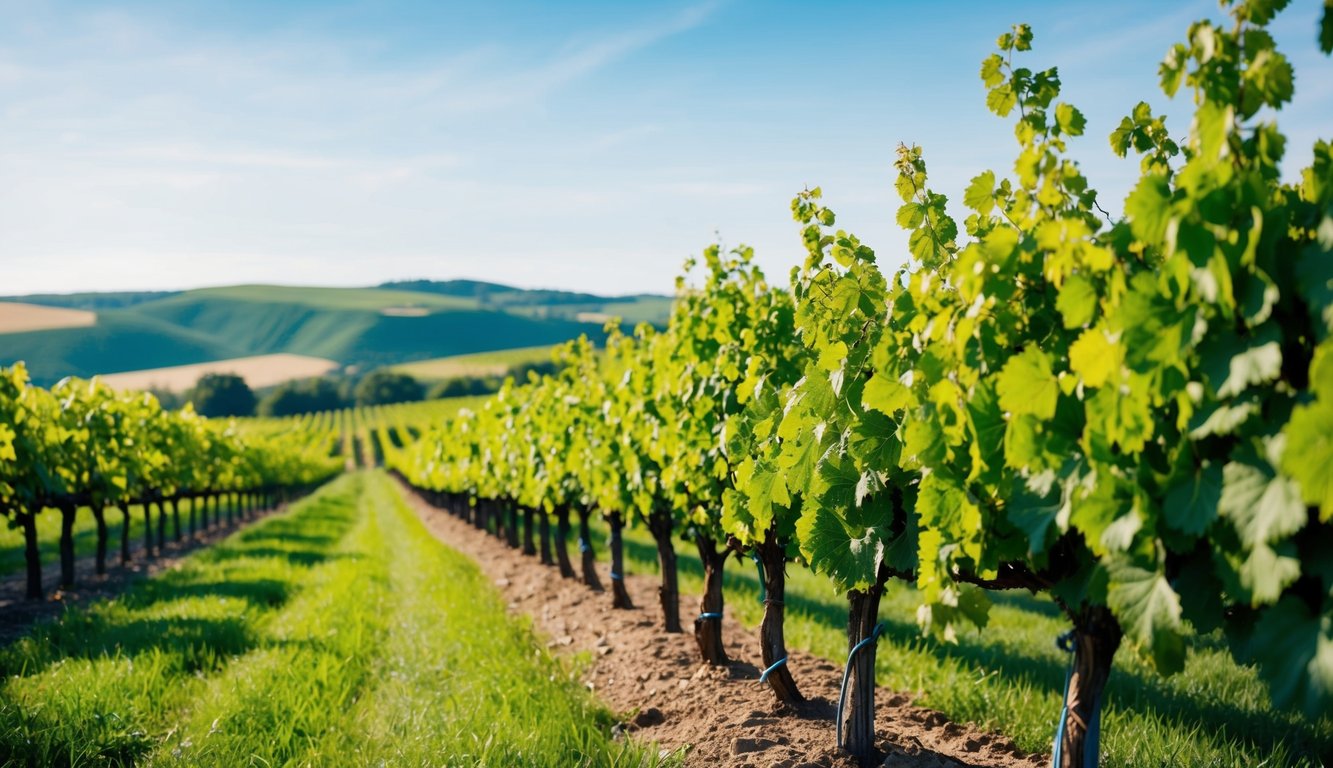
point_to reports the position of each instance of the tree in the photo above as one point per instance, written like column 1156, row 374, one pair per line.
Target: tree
column 222, row 394
column 464, row 386
column 303, row 396
column 383, row 387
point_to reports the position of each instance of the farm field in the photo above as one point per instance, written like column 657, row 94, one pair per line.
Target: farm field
column 478, row 364
column 365, row 327
column 314, row 637
column 16, row 317
column 258, row 371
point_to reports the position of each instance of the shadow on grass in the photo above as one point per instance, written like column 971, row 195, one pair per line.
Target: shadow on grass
column 303, row 539
column 1127, row 691
column 192, row 643
column 302, row 556
column 261, row 593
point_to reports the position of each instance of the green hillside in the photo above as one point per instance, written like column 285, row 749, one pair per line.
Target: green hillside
column 365, row 327
column 492, row 363
column 120, row 341
column 330, row 298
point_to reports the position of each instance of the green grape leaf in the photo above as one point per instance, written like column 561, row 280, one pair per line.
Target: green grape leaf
column 1326, row 28
column 837, row 535
column 911, row 215
column 885, row 394
column 736, row 517
column 1035, row 445
column 1105, row 516
column 1308, row 457
column 1027, row 386
column 835, row 486
column 1220, row 418
column 1262, row 506
column 832, row 357
column 1314, row 271
column 1121, row 416
column 1032, row 509
column 1077, row 302
column 1071, row 121
column 767, row 488
column 1172, row 69
column 873, row 442
column 991, row 73
column 1257, row 577
column 1156, row 329
column 1094, row 357
column 1149, row 613
column 923, row 246
column 980, row 194
column 851, row 557
column 1001, row 100
column 1294, row 650
column 1231, row 372
column 923, row 440
column 988, row 427
column 1122, row 137
column 1309, row 454
column 1191, row 506
column 799, row 460
column 1259, row 12
column 1148, row 208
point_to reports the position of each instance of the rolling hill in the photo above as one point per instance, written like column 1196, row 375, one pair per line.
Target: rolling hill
column 364, row 327
column 476, row 364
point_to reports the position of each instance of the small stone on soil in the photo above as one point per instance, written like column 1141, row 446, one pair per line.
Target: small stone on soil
column 742, row 746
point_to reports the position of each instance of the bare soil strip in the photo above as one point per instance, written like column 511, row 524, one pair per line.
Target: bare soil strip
column 16, row 317
column 722, row 715
column 258, row 371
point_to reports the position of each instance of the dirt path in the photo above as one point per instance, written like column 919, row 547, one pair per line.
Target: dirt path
column 723, row 715
column 17, row 613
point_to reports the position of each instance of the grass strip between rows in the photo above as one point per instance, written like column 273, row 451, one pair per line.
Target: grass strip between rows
column 339, row 633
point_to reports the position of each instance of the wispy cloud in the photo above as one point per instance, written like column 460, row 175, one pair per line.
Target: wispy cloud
column 579, row 59
column 586, row 146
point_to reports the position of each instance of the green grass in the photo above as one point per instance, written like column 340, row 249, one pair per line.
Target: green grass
column 1010, row 677
column 493, row 363
column 340, row 633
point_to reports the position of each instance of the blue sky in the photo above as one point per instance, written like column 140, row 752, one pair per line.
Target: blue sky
column 588, row 146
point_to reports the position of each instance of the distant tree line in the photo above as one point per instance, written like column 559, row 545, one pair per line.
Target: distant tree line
column 227, row 394
column 463, row 386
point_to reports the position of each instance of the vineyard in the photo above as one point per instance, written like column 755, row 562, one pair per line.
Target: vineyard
column 1065, row 476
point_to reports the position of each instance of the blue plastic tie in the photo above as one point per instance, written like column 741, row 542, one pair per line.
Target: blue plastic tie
column 759, row 564
column 764, row 677
column 710, row 615
column 847, row 673
column 583, row 545
column 616, row 577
